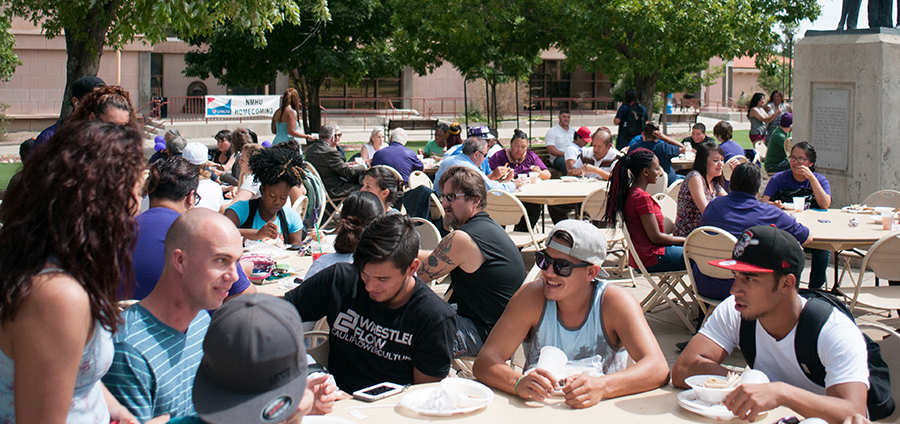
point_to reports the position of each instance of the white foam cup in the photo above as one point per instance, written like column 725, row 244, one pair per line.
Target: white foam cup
column 799, row 204
column 552, row 360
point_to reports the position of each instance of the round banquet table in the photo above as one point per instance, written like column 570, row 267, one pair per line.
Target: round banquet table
column 682, row 163
column 830, row 230
column 557, row 192
column 658, row 406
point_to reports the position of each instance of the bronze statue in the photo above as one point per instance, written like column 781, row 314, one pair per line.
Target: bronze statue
column 879, row 14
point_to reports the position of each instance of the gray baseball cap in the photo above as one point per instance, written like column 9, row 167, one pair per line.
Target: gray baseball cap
column 254, row 362
column 588, row 242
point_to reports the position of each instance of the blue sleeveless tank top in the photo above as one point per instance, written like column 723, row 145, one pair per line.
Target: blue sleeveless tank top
column 586, row 346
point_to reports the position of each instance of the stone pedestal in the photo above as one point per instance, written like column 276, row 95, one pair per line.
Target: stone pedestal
column 847, row 105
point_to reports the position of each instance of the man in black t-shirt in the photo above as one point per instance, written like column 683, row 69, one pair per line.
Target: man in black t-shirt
column 698, row 135
column 386, row 324
column 484, row 264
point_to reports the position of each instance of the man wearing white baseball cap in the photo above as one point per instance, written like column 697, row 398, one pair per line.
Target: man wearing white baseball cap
column 596, row 324
column 210, row 192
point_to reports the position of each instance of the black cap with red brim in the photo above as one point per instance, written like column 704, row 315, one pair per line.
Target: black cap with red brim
column 765, row 249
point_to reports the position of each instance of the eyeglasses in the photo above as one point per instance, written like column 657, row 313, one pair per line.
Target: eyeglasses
column 197, row 198
column 338, row 135
column 561, row 267
column 450, row 197
column 798, row 160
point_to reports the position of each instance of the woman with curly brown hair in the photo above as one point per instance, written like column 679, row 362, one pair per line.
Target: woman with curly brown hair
column 285, row 121
column 110, row 104
column 64, row 249
column 267, row 217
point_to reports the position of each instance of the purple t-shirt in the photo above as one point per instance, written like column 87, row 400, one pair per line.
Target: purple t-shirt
column 531, row 158
column 785, row 179
column 731, row 149
column 150, row 252
column 397, row 156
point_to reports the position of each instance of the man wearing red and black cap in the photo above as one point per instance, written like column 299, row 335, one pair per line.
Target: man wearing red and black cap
column 767, row 263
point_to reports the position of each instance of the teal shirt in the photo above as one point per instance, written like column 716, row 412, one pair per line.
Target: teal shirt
column 432, row 149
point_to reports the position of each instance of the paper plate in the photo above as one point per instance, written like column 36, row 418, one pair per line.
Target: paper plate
column 851, row 209
column 569, row 179
column 416, row 402
column 689, row 401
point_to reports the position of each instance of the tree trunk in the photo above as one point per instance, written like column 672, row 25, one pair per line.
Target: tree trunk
column 83, row 53
column 312, row 105
column 645, row 85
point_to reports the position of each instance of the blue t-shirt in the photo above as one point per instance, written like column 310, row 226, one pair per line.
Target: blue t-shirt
column 785, row 179
column 295, row 223
column 663, row 151
column 150, row 253
column 731, row 149
column 154, row 366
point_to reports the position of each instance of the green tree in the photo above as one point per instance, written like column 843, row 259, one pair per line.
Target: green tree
column 353, row 45
column 8, row 60
column 89, row 25
column 660, row 44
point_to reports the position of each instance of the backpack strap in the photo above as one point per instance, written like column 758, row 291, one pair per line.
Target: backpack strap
column 747, row 341
column 806, row 341
column 253, row 206
column 282, row 219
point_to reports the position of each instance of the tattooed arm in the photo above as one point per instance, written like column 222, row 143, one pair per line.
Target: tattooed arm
column 457, row 249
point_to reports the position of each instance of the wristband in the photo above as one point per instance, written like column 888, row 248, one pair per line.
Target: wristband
column 516, row 387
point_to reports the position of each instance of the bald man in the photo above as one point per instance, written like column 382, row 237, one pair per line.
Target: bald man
column 159, row 346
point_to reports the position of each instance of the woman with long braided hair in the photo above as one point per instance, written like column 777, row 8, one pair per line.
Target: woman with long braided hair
column 628, row 199
column 264, row 218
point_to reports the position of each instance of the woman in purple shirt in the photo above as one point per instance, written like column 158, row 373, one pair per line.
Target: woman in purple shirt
column 519, row 158
column 723, row 133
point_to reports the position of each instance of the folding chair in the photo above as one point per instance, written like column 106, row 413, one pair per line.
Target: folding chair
column 788, row 143
column 419, row 178
column 300, row 205
column 396, row 175
column 882, row 258
column 669, row 211
column 507, row 210
column 731, row 164
column 593, row 206
column 317, row 346
column 674, row 188
column 661, row 184
column 702, row 245
column 761, row 150
column 333, row 202
column 664, row 285
column 887, row 198
column 429, row 236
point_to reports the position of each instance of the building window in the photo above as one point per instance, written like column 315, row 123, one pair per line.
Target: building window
column 567, row 88
column 156, row 74
column 368, row 88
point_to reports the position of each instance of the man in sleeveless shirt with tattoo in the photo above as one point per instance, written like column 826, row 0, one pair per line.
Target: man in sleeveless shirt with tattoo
column 484, row 264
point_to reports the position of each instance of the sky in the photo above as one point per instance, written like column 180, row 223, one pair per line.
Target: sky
column 831, row 14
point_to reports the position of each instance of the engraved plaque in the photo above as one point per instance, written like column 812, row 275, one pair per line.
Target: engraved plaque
column 830, row 129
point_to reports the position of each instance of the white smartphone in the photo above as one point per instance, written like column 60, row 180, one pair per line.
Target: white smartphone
column 378, row 392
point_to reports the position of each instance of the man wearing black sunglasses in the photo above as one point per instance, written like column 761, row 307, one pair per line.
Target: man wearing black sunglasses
column 484, row 264
column 596, row 324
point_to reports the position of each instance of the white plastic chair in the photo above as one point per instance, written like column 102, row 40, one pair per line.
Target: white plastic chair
column 674, row 188
column 788, row 143
column 396, row 175
column 661, row 184
column 594, row 206
column 318, row 348
column 300, row 205
column 507, row 210
column 429, row 236
column 731, row 164
column 882, row 258
column 419, row 178
column 669, row 211
column 665, row 285
column 702, row 245
column 761, row 150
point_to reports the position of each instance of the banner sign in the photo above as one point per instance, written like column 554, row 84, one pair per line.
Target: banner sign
column 241, row 106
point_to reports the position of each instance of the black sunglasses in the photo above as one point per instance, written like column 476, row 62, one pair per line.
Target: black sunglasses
column 561, row 267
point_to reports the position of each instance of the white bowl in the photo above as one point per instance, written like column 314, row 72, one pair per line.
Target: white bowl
column 882, row 209
column 707, row 394
column 466, row 393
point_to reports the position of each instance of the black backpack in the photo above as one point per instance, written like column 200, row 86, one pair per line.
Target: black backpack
column 814, row 315
column 634, row 121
